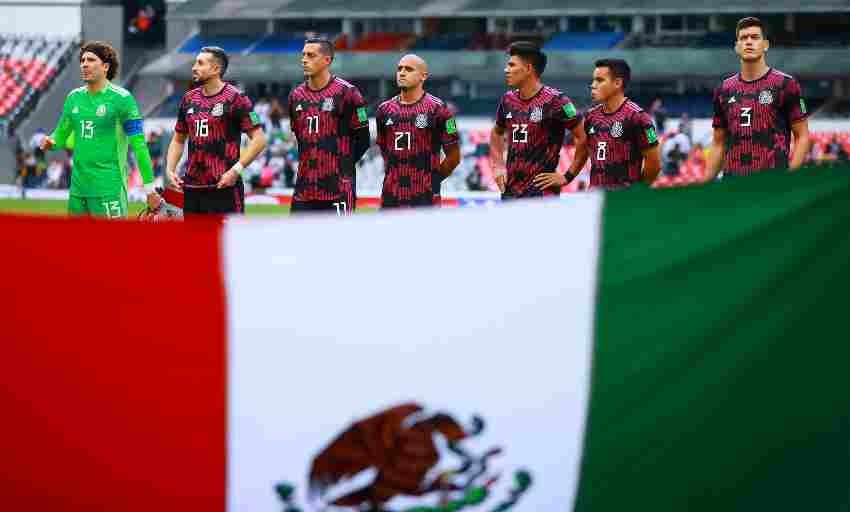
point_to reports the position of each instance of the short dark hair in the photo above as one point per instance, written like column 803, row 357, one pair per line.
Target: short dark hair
column 325, row 46
column 750, row 21
column 530, row 53
column 104, row 52
column 219, row 55
column 618, row 68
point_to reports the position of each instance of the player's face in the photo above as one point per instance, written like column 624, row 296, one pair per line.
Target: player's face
column 204, row 68
column 517, row 71
column 409, row 75
column 92, row 69
column 313, row 60
column 603, row 85
column 751, row 44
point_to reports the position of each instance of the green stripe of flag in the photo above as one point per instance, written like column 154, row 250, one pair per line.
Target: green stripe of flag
column 720, row 369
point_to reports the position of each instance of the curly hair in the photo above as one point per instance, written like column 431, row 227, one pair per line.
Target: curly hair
column 104, row 52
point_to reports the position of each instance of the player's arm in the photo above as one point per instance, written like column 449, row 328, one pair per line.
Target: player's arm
column 718, row 141
column 133, row 127
column 61, row 133
column 715, row 156
column 497, row 155
column 450, row 142
column 251, row 125
column 800, row 129
column 554, row 178
column 359, row 124
column 172, row 158
column 651, row 163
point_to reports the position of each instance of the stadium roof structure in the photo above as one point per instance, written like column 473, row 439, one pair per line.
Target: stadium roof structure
column 487, row 66
column 302, row 9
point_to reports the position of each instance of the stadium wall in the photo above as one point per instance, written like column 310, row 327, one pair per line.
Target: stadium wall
column 55, row 17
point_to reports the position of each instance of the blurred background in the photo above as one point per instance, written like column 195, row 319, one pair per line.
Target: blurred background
column 678, row 52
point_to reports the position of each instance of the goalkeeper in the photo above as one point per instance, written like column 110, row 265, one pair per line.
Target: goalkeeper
column 104, row 120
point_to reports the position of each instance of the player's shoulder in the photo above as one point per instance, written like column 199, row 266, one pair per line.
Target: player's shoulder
column 298, row 90
column 593, row 111
column 730, row 82
column 553, row 92
column 191, row 94
column 118, row 90
column 434, row 100
column 388, row 104
column 345, row 84
column 783, row 77
column 633, row 108
column 73, row 93
column 510, row 96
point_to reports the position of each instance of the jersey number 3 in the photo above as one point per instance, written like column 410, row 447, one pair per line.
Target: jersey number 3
column 746, row 116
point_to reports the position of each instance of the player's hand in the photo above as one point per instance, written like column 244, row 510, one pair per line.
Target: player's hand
column 47, row 144
column 154, row 201
column 174, row 179
column 546, row 180
column 228, row 179
column 501, row 178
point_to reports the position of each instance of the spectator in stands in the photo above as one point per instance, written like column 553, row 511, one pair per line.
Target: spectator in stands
column 262, row 108
column 676, row 150
column 276, row 114
column 473, row 179
column 835, row 150
column 155, row 145
column 659, row 115
column 29, row 172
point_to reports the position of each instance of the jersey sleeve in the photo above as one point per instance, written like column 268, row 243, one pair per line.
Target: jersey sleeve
column 380, row 129
column 244, row 115
column 357, row 112
column 64, row 127
column 447, row 124
column 131, row 118
column 647, row 137
column 719, row 119
column 566, row 112
column 794, row 105
column 501, row 122
column 181, row 126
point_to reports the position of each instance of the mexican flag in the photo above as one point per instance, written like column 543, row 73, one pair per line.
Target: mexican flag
column 637, row 350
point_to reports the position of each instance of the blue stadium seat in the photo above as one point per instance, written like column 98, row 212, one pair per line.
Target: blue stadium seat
column 230, row 44
column 584, row 40
column 280, row 44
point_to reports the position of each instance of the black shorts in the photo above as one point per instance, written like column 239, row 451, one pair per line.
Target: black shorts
column 340, row 208
column 423, row 201
column 214, row 200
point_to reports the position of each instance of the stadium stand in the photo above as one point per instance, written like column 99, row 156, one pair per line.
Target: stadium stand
column 28, row 64
column 567, row 41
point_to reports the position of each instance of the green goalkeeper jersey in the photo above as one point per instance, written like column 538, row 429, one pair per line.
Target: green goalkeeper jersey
column 101, row 125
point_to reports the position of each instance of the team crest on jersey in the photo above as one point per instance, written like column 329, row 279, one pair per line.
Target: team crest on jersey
column 765, row 97
column 422, row 120
column 217, row 110
column 536, row 115
column 101, row 111
column 328, row 104
column 616, row 129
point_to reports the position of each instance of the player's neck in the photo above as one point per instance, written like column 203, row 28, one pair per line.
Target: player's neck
column 96, row 87
column 753, row 70
column 529, row 89
column 213, row 86
column 410, row 96
column 614, row 103
column 319, row 81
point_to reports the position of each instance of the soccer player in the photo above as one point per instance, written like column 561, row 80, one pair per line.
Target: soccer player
column 329, row 119
column 213, row 117
column 621, row 139
column 534, row 118
column 412, row 129
column 103, row 120
column 755, row 112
